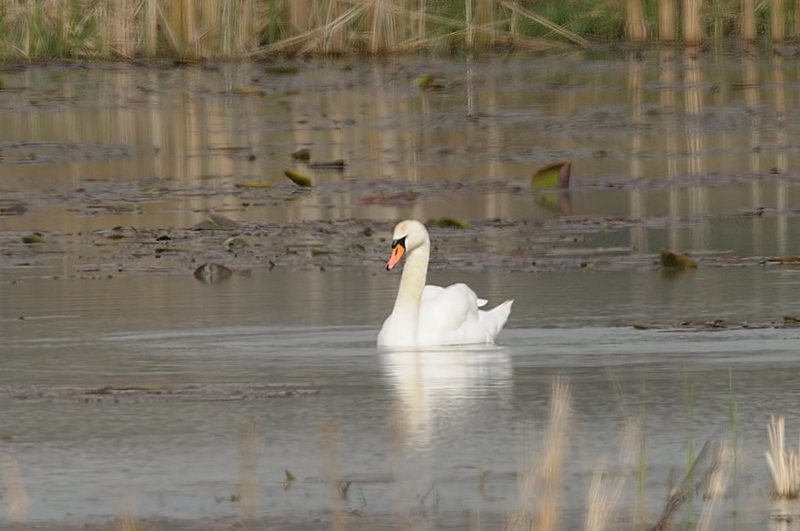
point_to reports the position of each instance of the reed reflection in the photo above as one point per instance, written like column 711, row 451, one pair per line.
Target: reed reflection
column 750, row 87
column 667, row 104
column 782, row 158
column 437, row 389
column 637, row 206
column 695, row 145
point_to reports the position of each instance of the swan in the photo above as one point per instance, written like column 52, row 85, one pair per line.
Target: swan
column 429, row 316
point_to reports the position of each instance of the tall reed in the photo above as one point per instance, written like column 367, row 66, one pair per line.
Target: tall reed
column 778, row 21
column 783, row 463
column 692, row 22
column 240, row 29
column 16, row 496
column 636, row 23
column 748, row 25
column 248, row 479
column 381, row 26
column 667, row 17
column 150, row 28
column 540, row 478
column 484, row 17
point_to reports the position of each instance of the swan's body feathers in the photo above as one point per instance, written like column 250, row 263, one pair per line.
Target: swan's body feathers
column 451, row 316
column 426, row 316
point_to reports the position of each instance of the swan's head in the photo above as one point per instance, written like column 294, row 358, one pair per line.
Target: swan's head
column 407, row 236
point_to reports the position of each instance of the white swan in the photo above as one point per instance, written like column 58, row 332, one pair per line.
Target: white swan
column 429, row 316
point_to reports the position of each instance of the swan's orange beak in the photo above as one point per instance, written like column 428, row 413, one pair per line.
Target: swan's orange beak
column 398, row 248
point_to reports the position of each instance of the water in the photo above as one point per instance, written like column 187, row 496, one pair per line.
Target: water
column 460, row 409
column 679, row 149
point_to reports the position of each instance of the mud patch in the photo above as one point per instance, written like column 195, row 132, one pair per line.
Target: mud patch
column 60, row 152
column 160, row 393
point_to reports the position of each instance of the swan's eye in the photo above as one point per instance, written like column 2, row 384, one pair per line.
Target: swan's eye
column 399, row 241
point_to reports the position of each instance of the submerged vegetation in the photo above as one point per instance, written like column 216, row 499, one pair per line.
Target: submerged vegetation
column 245, row 29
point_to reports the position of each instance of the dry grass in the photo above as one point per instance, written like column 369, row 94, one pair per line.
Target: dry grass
column 667, row 16
column 248, row 452
column 16, row 497
column 330, row 472
column 748, row 24
column 783, row 462
column 716, row 486
column 541, row 468
column 778, row 21
column 128, row 519
column 601, row 503
column 241, row 29
column 636, row 22
column 693, row 22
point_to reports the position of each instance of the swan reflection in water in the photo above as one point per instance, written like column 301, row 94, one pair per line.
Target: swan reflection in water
column 435, row 389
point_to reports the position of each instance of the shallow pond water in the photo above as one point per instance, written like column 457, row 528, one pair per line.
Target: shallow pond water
column 460, row 410
column 129, row 386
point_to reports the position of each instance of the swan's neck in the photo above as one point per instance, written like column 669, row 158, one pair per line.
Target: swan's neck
column 412, row 282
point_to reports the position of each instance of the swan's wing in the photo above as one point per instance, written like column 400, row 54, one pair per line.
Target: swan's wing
column 449, row 316
column 430, row 292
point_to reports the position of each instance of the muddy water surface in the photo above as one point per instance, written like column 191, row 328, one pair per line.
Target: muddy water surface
column 127, row 385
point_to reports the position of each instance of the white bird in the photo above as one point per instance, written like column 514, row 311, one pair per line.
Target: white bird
column 429, row 316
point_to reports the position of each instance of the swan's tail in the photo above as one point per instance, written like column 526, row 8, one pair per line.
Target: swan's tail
column 495, row 318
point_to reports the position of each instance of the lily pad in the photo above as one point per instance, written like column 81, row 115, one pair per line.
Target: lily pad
column 673, row 260
column 430, row 82
column 31, row 239
column 302, row 154
column 555, row 175
column 235, row 244
column 338, row 165
column 451, row 223
column 256, row 184
column 298, row 178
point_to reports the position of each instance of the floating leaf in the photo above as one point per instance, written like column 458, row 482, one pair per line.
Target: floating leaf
column 556, row 200
column 553, row 176
column 338, row 164
column 254, row 185
column 430, row 82
column 303, row 155
column 281, row 70
column 673, row 260
column 319, row 252
column 298, row 178
column 451, row 223
column 33, row 238
column 235, row 243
